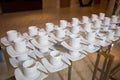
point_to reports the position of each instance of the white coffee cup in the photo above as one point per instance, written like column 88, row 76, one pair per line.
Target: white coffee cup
column 42, row 32
column 75, row 21
column 56, row 58
column 94, row 17
column 12, row 35
column 75, row 29
column 111, row 34
column 101, row 16
column 75, row 42
column 20, row 45
column 106, row 21
column 113, row 25
column 49, row 27
column 43, row 39
column 87, row 27
column 91, row 36
column 32, row 30
column 114, row 18
column 30, row 69
column 118, row 31
column 85, row 19
column 63, row 23
column 60, row 33
column 97, row 23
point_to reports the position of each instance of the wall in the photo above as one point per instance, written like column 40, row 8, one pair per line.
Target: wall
column 116, row 10
column 50, row 4
column 74, row 3
column 0, row 9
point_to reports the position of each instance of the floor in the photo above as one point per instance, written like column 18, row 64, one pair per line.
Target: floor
column 82, row 69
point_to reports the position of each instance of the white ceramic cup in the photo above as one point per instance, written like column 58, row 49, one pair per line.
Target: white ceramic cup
column 30, row 69
column 101, row 16
column 111, row 34
column 20, row 45
column 97, row 23
column 75, row 43
column 105, row 28
column 43, row 39
column 118, row 31
column 114, row 18
column 75, row 21
column 56, row 58
column 49, row 27
column 106, row 21
column 32, row 30
column 12, row 35
column 75, row 29
column 85, row 19
column 63, row 23
column 91, row 36
column 94, row 17
column 60, row 33
column 113, row 25
column 87, row 27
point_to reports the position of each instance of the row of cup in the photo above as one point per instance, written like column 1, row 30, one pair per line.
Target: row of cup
column 20, row 43
column 98, row 21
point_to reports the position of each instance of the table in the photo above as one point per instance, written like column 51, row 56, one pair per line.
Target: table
column 21, row 21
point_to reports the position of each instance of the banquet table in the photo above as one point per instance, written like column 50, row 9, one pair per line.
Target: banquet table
column 20, row 21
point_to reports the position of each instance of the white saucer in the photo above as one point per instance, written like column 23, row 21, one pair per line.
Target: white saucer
column 13, row 53
column 106, row 43
column 115, row 22
column 40, row 54
column 15, row 62
column 68, row 32
column 64, row 44
column 115, row 38
column 56, row 38
column 92, row 50
column 5, row 42
column 85, row 41
column 36, row 44
column 75, row 58
column 52, row 40
column 20, row 76
column 51, row 68
column 118, row 35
